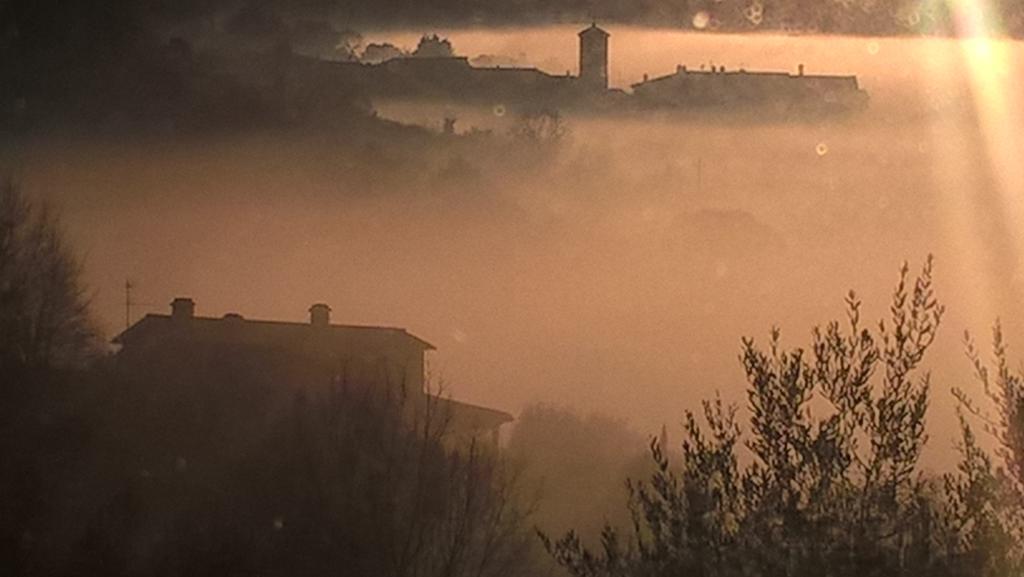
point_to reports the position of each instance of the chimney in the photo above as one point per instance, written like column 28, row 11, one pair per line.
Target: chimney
column 182, row 309
column 320, row 315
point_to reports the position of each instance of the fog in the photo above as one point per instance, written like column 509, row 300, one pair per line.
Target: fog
column 615, row 272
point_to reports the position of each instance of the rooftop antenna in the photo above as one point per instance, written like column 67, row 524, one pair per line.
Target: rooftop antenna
column 127, row 303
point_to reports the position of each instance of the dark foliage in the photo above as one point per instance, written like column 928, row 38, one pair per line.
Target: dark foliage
column 227, row 461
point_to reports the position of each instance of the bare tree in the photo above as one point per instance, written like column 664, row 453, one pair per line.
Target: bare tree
column 44, row 318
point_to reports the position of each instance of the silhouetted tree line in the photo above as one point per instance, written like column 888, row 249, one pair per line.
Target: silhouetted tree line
column 219, row 460
column 825, row 481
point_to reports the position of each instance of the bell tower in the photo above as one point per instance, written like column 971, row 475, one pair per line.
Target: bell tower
column 594, row 58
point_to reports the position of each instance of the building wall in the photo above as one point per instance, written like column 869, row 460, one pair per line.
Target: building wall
column 594, row 59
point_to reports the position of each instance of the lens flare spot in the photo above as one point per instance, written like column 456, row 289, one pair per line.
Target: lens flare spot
column 873, row 48
column 821, row 149
column 701, row 20
column 499, row 110
column 754, row 13
column 721, row 269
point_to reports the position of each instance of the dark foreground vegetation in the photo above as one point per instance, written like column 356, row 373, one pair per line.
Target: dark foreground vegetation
column 227, row 472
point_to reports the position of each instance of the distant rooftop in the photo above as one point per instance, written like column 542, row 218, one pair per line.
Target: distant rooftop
column 594, row 29
column 183, row 314
column 716, row 71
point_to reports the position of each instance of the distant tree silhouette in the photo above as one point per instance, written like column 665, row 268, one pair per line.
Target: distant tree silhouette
column 43, row 307
column 375, row 53
column 433, row 46
column 540, row 127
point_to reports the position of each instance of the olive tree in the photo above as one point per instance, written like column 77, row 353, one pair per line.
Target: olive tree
column 826, row 481
column 985, row 496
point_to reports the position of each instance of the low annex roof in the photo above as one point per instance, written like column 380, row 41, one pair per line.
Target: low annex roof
column 475, row 413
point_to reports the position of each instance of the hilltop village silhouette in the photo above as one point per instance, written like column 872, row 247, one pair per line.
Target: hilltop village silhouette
column 455, row 78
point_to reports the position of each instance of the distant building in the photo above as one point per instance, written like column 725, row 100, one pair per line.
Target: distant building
column 437, row 74
column 313, row 355
column 718, row 87
column 594, row 58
